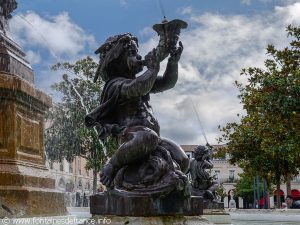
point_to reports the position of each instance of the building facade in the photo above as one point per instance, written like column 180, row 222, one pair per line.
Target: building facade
column 73, row 180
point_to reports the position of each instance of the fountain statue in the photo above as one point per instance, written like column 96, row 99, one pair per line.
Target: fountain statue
column 26, row 186
column 147, row 173
column 203, row 184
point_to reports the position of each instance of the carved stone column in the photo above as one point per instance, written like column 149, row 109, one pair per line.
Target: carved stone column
column 26, row 186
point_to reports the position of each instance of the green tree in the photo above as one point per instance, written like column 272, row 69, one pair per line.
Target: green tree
column 221, row 192
column 67, row 136
column 266, row 141
column 244, row 188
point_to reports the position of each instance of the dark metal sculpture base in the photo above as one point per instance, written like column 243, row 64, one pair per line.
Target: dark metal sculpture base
column 208, row 204
column 113, row 203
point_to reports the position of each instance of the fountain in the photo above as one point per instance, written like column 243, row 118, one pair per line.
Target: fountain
column 26, row 186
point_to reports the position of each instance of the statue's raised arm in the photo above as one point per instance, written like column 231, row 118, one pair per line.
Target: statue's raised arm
column 170, row 76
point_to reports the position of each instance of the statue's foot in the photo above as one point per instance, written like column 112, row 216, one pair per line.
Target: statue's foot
column 108, row 174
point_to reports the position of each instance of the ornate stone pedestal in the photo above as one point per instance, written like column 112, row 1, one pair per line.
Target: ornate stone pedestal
column 26, row 186
column 122, row 208
column 208, row 204
column 113, row 203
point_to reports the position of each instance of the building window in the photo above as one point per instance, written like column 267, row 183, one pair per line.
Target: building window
column 220, row 158
column 51, row 165
column 296, row 178
column 231, row 175
column 79, row 166
column 62, row 184
column 87, row 172
column 88, row 186
column 80, row 184
column 71, row 167
column 61, row 166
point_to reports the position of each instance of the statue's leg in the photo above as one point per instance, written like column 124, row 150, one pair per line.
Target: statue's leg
column 137, row 144
column 177, row 153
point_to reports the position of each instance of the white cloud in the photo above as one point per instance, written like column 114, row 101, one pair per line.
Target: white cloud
column 216, row 48
column 33, row 57
column 186, row 10
column 45, row 79
column 265, row 1
column 246, row 2
column 123, row 3
column 147, row 32
column 289, row 2
column 58, row 34
column 290, row 14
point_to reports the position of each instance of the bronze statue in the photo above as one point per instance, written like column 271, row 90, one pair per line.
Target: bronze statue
column 144, row 161
column 203, row 183
column 6, row 8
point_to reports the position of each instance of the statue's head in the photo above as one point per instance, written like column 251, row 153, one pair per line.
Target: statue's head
column 201, row 152
column 119, row 57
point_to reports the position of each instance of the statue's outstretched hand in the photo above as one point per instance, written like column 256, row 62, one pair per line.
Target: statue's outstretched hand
column 152, row 61
column 176, row 54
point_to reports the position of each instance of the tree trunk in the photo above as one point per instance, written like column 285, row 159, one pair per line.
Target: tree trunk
column 265, row 193
column 94, row 181
column 278, row 194
column 254, row 193
column 288, row 185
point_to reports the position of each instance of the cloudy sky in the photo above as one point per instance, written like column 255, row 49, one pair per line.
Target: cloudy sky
column 223, row 37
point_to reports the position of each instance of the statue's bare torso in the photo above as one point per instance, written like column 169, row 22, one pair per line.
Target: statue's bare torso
column 136, row 112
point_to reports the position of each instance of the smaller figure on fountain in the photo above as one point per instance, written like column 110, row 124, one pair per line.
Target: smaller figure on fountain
column 203, row 183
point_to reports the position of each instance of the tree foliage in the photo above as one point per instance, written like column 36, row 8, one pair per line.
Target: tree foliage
column 244, row 187
column 266, row 141
column 221, row 191
column 67, row 135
